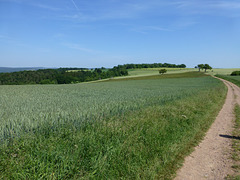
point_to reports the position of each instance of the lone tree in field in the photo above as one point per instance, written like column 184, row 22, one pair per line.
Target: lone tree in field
column 200, row 66
column 162, row 71
column 206, row 67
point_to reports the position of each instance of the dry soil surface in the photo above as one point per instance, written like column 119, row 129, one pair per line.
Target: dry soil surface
column 211, row 159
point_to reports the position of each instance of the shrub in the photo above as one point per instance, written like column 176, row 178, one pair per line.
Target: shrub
column 235, row 73
column 162, row 71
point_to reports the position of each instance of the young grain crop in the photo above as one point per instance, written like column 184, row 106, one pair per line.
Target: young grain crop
column 26, row 108
column 109, row 130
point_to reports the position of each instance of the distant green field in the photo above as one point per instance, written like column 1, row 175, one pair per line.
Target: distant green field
column 78, row 70
column 189, row 74
column 130, row 129
column 154, row 71
column 223, row 71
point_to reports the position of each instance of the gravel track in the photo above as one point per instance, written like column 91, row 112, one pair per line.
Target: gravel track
column 211, row 159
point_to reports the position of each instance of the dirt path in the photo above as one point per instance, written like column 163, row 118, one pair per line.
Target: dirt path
column 211, row 158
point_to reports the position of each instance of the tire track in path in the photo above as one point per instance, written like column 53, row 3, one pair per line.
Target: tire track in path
column 211, row 159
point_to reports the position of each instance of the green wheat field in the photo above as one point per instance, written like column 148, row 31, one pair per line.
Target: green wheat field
column 139, row 128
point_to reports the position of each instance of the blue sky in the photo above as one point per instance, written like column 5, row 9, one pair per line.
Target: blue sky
column 96, row 33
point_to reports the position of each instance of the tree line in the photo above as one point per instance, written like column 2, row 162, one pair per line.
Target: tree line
column 154, row 65
column 59, row 76
column 73, row 75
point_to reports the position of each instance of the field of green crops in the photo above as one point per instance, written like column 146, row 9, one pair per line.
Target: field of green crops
column 136, row 129
column 155, row 71
column 223, row 71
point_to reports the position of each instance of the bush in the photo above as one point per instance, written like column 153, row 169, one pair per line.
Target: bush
column 235, row 73
column 162, row 71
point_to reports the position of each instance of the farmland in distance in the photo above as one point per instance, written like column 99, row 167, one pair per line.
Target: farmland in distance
column 226, row 74
column 154, row 71
column 140, row 128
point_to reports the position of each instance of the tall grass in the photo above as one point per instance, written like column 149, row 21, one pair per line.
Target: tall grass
column 236, row 146
column 110, row 130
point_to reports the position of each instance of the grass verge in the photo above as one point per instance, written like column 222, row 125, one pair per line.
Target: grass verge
column 236, row 146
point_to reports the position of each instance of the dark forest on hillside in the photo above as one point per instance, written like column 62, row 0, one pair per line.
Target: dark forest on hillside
column 73, row 75
column 59, row 76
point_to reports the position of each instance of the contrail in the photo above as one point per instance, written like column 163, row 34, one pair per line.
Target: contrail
column 75, row 5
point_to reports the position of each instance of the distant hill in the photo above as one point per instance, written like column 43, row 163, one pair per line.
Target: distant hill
column 9, row 69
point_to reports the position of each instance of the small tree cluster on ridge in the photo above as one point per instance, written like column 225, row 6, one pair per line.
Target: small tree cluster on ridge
column 203, row 66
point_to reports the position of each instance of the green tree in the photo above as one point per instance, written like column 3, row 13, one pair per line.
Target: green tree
column 206, row 67
column 200, row 66
column 162, row 71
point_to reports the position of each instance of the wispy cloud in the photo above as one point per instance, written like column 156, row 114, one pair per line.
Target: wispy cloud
column 227, row 5
column 156, row 28
column 207, row 5
column 75, row 5
column 4, row 37
column 10, row 40
column 79, row 17
column 47, row 7
column 15, row 1
column 147, row 29
column 7, row 39
column 38, row 4
column 125, row 9
column 98, row 11
column 79, row 47
column 58, row 35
